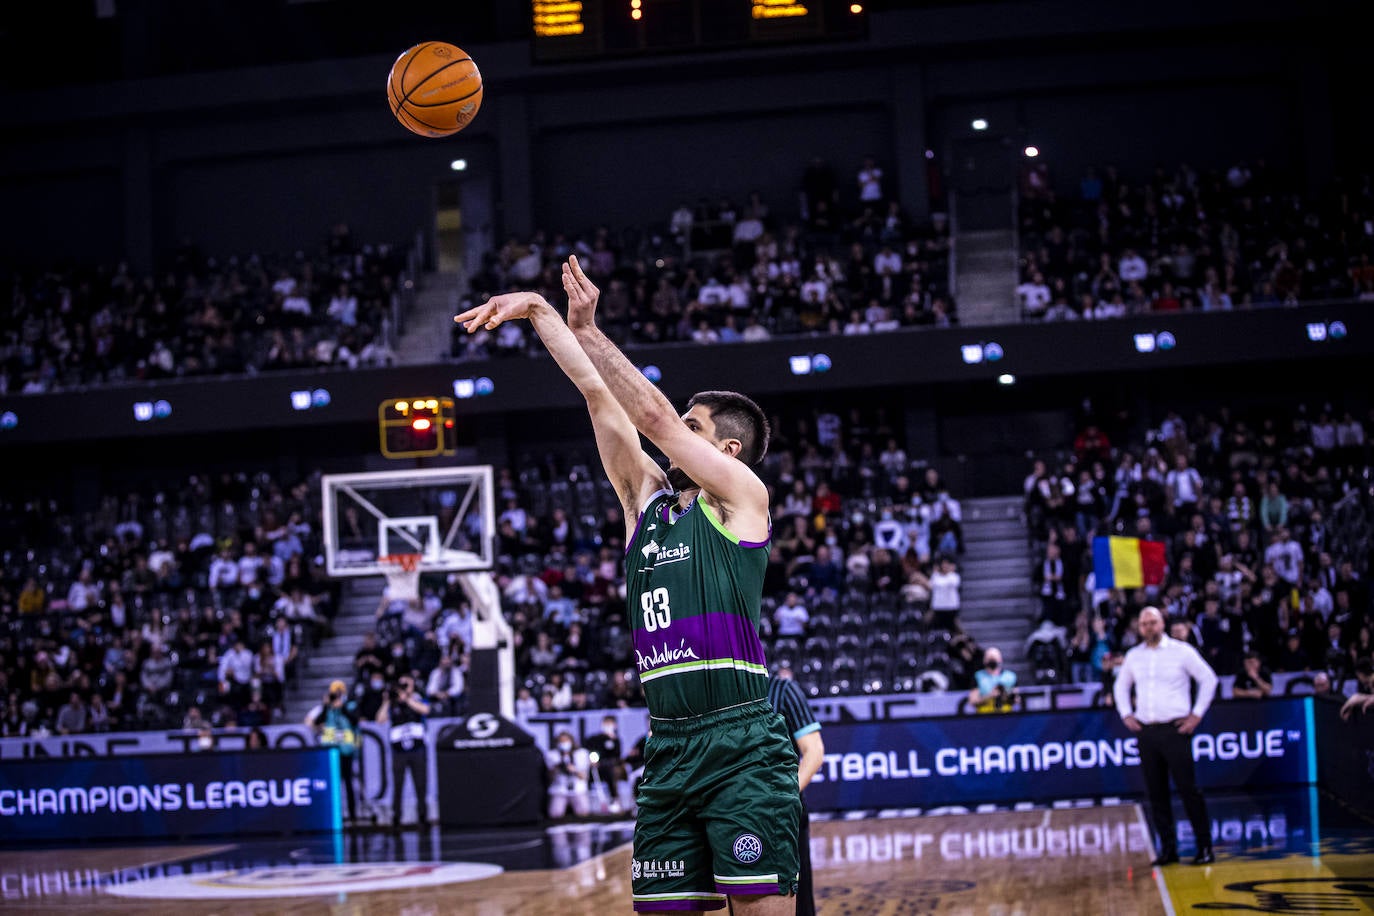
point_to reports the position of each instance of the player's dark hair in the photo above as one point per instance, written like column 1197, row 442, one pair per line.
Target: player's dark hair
column 736, row 416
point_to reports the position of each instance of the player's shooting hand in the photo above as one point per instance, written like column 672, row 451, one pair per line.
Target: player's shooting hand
column 499, row 309
column 582, row 295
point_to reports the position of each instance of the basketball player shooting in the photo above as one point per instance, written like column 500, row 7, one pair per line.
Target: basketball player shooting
column 719, row 806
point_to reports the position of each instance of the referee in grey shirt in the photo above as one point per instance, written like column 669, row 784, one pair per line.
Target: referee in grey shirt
column 1164, row 715
column 788, row 699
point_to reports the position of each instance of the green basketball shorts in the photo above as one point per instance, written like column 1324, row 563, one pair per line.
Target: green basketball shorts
column 719, row 810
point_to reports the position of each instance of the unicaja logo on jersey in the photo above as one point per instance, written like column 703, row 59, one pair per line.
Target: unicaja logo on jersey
column 680, row 552
column 748, row 848
column 662, row 556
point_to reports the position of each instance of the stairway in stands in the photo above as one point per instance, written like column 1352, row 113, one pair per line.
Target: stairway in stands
column 985, row 267
column 999, row 608
column 333, row 658
column 429, row 326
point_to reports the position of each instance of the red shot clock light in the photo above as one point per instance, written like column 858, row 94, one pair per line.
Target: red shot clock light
column 419, row 427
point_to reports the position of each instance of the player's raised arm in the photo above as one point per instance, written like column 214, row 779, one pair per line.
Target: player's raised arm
column 633, row 473
column 720, row 466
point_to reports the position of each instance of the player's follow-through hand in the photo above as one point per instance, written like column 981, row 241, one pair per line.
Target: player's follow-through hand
column 498, row 309
column 582, row 295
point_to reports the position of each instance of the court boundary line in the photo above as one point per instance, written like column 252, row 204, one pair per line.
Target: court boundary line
column 1160, row 882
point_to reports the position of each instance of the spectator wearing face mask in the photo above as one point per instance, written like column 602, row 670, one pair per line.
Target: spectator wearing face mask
column 610, row 768
column 404, row 710
column 371, row 695
column 335, row 722
column 569, row 771
column 996, row 686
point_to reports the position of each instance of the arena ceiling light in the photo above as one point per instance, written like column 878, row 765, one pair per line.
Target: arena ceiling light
column 980, row 124
column 459, row 165
column 1032, row 152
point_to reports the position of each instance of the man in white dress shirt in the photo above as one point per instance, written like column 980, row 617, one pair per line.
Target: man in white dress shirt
column 1163, row 714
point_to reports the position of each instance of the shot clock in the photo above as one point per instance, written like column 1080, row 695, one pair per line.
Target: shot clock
column 420, row 427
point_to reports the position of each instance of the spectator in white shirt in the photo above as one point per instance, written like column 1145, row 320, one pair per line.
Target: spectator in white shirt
column 680, row 223
column 792, row 616
column 870, row 181
column 857, row 325
column 1034, row 295
column 516, row 514
column 295, row 606
column 236, row 674
column 84, row 592
column 1163, row 714
column 1285, row 555
column 296, row 304
column 748, row 230
column 1132, row 267
column 753, row 331
column 445, row 687
column 284, row 646
column 945, row 599
column 456, row 625
column 162, row 561
column 815, row 289
column 284, row 284
column 1323, row 433
column 1108, row 308
column 1184, row 485
column 224, row 570
column 887, row 262
column 890, row 533
column 343, row 308
column 250, row 564
column 713, row 292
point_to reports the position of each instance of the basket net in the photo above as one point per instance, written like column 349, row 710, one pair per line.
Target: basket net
column 402, row 575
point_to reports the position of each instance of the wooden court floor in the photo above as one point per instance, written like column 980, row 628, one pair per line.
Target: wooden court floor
column 1061, row 861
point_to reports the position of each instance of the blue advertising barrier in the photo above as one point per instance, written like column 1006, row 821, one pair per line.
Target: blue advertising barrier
column 170, row 795
column 1042, row 757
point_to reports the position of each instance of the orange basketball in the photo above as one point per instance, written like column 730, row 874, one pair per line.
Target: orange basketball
column 434, row 89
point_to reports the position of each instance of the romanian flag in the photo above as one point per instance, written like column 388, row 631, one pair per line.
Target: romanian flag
column 1127, row 562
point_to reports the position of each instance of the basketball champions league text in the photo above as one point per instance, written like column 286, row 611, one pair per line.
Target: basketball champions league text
column 1037, row 758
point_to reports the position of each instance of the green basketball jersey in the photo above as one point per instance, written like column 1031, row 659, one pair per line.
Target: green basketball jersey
column 693, row 592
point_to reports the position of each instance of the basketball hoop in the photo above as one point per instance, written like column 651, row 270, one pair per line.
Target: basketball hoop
column 402, row 575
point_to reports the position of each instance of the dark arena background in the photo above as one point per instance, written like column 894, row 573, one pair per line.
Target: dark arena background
column 1009, row 279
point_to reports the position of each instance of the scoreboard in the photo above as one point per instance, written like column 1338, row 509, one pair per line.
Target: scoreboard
column 567, row 30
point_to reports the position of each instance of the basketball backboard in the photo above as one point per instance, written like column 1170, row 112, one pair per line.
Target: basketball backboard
column 446, row 515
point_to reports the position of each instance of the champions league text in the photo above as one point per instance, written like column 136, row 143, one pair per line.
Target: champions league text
column 129, row 799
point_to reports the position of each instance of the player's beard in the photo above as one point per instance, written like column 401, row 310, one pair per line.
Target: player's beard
column 679, row 481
